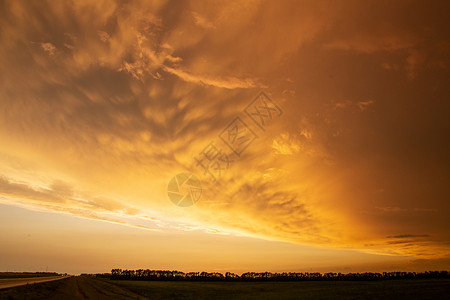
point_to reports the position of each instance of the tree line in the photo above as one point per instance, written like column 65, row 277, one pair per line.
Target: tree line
column 167, row 275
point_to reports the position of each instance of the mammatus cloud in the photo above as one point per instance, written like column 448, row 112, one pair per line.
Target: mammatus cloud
column 99, row 112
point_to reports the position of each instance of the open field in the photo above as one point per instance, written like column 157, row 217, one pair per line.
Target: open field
column 395, row 289
column 79, row 287
column 88, row 288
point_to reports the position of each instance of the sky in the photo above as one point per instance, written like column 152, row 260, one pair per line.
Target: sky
column 314, row 135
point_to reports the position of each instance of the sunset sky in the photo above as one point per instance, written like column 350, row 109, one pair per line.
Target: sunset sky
column 342, row 106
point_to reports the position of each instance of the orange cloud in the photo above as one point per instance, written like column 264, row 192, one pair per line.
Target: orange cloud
column 102, row 110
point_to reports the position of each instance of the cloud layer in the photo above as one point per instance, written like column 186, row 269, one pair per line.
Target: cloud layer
column 103, row 103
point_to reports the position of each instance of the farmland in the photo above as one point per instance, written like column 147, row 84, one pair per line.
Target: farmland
column 84, row 287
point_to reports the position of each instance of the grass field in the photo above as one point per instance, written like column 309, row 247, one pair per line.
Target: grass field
column 88, row 288
column 395, row 289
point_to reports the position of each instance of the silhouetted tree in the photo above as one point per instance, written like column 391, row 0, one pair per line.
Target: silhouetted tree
column 141, row 274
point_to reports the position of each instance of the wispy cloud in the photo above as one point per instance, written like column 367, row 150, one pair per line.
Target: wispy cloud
column 228, row 83
column 49, row 48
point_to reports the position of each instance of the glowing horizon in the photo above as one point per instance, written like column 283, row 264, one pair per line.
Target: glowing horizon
column 104, row 103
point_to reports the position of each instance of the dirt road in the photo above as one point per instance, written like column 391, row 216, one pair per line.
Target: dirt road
column 12, row 282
